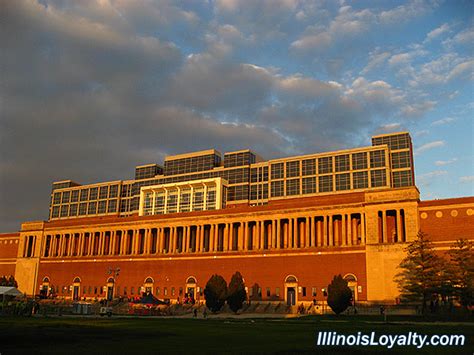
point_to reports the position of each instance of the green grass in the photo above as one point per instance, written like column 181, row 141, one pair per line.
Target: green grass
column 165, row 335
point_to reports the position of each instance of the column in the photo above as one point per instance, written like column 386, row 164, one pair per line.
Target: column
column 240, row 237
column 226, row 237
column 286, row 233
column 312, row 241
column 307, row 231
column 399, row 226
column 344, row 228
column 325, row 231
column 211, row 238
column 362, row 227
column 246, row 236
column 384, row 226
column 349, row 230
column 320, row 232
column 331, row 230
column 278, row 234
column 295, row 232
column 123, row 250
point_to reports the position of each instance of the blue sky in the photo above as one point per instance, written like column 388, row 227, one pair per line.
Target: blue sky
column 90, row 89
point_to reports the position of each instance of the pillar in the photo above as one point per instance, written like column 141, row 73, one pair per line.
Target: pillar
column 331, row 230
column 278, row 234
column 384, row 226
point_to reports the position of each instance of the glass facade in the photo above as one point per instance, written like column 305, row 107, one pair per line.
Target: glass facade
column 388, row 163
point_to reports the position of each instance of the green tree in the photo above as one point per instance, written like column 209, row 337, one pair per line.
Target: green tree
column 236, row 293
column 215, row 293
column 422, row 272
column 339, row 294
column 10, row 281
column 462, row 271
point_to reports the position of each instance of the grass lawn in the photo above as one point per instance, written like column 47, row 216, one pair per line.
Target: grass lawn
column 66, row 335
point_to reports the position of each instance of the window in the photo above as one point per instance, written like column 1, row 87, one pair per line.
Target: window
column 82, row 209
column 377, row 159
column 359, row 161
column 325, row 165
column 172, row 291
column 64, row 210
column 55, row 212
column 309, row 185
column 65, row 197
column 103, row 192
column 292, row 168
column 360, row 180
column 172, row 201
column 293, row 187
column 277, row 291
column 401, row 160
column 165, row 291
column 343, row 182
column 125, row 290
column 342, row 163
column 84, row 194
column 313, row 291
column 268, row 292
column 74, row 195
column 57, row 198
column 157, row 291
column 113, row 191
column 92, row 208
column 277, row 188
column 102, row 206
column 325, row 183
column 378, row 178
column 309, row 167
column 132, row 290
column 277, row 171
column 112, row 207
column 73, row 210
column 93, row 193
column 304, row 291
column 402, row 178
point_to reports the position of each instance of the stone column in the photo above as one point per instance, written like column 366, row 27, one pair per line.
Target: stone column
column 350, row 226
column 226, row 237
column 331, row 230
column 286, row 234
column 278, row 234
column 313, row 232
column 240, row 237
column 384, row 226
column 362, row 228
column 400, row 237
column 307, row 231
column 344, row 229
column 246, row 236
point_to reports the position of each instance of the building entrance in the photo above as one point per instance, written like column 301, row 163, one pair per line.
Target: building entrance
column 290, row 296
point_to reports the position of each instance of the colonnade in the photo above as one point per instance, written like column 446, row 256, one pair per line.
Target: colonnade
column 298, row 232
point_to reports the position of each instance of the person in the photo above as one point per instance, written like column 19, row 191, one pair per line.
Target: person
column 195, row 313
column 382, row 310
column 204, row 313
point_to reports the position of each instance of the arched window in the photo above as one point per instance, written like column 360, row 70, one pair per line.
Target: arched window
column 290, row 279
column 77, row 280
column 46, row 279
column 350, row 278
column 149, row 280
column 191, row 280
column 110, row 280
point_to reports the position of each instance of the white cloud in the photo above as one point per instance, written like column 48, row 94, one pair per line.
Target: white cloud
column 445, row 162
column 437, row 32
column 428, row 178
column 429, row 146
column 375, row 60
column 443, row 121
column 417, row 109
column 389, row 127
column 466, row 179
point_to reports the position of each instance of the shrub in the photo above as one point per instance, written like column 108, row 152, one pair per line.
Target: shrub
column 215, row 293
column 339, row 294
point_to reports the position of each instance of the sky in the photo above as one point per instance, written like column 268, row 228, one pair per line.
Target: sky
column 91, row 89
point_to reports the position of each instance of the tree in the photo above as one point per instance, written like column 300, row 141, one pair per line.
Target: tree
column 10, row 281
column 236, row 293
column 462, row 271
column 339, row 294
column 215, row 293
column 422, row 271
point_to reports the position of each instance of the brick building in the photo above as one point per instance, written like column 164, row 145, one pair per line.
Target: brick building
column 288, row 225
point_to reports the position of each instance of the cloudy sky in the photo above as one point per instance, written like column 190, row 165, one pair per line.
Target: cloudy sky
column 90, row 89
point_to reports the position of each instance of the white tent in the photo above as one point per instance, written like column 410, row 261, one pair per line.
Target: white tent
column 9, row 291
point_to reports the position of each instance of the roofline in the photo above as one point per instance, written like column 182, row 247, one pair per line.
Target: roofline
column 192, row 154
column 391, row 134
